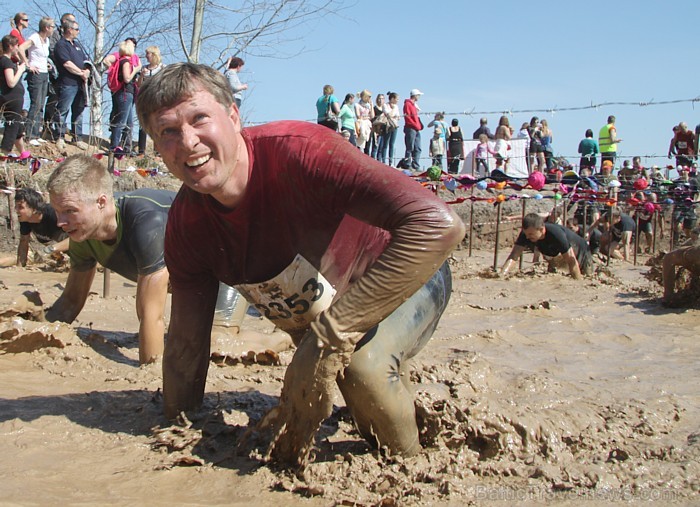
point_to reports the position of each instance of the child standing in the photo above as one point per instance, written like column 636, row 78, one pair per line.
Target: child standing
column 437, row 147
column 481, row 154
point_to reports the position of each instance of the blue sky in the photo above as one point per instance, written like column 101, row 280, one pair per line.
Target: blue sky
column 501, row 56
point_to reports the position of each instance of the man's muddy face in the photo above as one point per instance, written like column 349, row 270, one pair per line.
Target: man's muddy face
column 200, row 142
column 534, row 234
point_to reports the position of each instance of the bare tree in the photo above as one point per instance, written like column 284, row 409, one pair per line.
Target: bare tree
column 254, row 27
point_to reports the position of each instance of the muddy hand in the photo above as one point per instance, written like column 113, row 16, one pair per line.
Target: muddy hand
column 305, row 402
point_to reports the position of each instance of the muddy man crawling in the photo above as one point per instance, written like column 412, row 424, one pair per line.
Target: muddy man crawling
column 342, row 252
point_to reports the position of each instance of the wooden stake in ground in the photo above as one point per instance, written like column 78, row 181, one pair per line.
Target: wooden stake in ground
column 636, row 237
column 471, row 225
column 106, row 283
column 522, row 217
column 498, row 236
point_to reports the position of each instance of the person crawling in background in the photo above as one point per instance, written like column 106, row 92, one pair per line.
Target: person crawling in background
column 557, row 243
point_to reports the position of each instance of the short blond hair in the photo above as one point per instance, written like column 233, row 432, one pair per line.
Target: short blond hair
column 126, row 48
column 83, row 175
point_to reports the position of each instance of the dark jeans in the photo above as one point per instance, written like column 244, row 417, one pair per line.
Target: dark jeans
column 14, row 126
column 413, row 149
column 353, row 137
column 122, row 114
column 70, row 98
column 390, row 144
column 38, row 87
column 383, row 145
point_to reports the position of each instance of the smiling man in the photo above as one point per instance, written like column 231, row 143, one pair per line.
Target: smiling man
column 123, row 234
column 344, row 253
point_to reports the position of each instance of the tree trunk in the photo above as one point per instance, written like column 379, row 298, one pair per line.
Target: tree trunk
column 197, row 23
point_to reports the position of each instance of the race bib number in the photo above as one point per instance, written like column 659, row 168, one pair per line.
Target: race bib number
column 293, row 298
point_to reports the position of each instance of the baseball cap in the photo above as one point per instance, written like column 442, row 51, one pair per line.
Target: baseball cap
column 607, row 163
column 415, row 92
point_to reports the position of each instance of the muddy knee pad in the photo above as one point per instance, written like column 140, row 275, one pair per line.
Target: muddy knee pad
column 373, row 385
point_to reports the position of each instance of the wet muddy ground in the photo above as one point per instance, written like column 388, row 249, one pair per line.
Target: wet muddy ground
column 535, row 389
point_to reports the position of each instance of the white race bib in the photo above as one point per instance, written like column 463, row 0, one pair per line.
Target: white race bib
column 293, row 298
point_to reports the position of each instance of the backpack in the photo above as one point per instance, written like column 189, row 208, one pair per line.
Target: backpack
column 113, row 79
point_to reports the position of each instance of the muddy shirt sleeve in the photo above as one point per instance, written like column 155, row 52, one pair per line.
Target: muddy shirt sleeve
column 423, row 229
column 145, row 215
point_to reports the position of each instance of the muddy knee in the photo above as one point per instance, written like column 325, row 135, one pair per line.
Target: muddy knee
column 381, row 404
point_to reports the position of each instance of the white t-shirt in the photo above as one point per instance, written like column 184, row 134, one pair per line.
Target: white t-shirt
column 39, row 53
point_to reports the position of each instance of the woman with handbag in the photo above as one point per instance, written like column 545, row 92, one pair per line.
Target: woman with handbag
column 379, row 125
column 328, row 108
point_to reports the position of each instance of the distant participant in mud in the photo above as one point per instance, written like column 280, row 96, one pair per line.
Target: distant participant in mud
column 38, row 217
column 687, row 257
column 342, row 252
column 558, row 244
column 616, row 241
column 124, row 234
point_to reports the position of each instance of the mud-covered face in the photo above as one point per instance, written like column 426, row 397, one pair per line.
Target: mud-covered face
column 534, row 234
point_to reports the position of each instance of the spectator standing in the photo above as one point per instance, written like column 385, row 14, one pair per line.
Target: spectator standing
column 391, row 109
column 412, row 127
column 483, row 129
column 328, row 108
column 37, row 47
column 481, row 154
column 51, row 117
column 537, row 162
column 437, row 147
column 548, row 151
column 503, row 136
column 233, row 67
column 69, row 59
column 12, row 97
column 439, row 121
column 607, row 141
column 19, row 22
column 123, row 99
column 364, row 111
column 379, row 126
column 155, row 65
column 455, row 147
column 588, row 148
column 348, row 118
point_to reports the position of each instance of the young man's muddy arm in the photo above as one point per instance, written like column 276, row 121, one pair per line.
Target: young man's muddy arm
column 68, row 306
column 151, row 293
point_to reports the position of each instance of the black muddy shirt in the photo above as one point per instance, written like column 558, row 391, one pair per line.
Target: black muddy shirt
column 138, row 250
column 556, row 241
column 46, row 230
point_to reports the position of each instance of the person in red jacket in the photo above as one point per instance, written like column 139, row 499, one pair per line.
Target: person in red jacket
column 412, row 130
